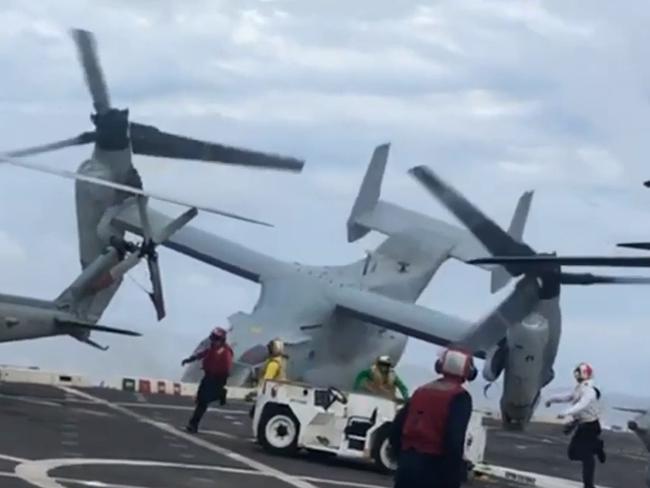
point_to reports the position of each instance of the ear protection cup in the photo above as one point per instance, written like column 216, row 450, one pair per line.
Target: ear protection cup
column 472, row 373
column 438, row 366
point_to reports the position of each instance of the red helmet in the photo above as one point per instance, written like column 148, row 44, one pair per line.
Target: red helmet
column 583, row 372
column 218, row 333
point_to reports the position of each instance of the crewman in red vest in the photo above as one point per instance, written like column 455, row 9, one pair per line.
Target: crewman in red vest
column 217, row 363
column 428, row 434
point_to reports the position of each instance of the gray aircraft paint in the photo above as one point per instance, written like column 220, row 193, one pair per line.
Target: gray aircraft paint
column 336, row 320
column 79, row 307
column 532, row 333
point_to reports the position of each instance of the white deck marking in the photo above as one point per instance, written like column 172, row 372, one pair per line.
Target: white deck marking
column 36, row 467
column 13, row 459
column 353, row 484
column 189, row 408
column 270, row 471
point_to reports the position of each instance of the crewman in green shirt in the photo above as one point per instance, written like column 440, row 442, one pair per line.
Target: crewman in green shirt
column 381, row 379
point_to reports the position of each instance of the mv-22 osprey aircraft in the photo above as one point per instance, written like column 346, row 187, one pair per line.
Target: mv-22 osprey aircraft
column 335, row 320
column 103, row 181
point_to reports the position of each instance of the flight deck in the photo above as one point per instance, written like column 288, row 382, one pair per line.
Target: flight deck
column 55, row 437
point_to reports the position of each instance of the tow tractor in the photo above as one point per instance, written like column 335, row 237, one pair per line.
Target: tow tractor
column 291, row 416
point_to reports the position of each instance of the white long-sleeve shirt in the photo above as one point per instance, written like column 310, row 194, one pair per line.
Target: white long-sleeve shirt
column 584, row 400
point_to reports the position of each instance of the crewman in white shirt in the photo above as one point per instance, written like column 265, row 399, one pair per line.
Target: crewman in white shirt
column 585, row 411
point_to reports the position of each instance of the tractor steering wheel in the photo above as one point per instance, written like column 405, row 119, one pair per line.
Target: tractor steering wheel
column 337, row 395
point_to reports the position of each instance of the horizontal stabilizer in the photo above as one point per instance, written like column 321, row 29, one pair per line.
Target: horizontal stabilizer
column 78, row 325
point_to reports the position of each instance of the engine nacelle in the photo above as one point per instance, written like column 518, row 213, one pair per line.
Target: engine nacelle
column 524, row 370
column 495, row 362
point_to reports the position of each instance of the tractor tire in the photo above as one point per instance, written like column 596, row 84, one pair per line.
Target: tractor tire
column 278, row 430
column 381, row 451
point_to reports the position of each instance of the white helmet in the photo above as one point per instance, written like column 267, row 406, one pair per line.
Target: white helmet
column 583, row 372
column 384, row 360
column 456, row 363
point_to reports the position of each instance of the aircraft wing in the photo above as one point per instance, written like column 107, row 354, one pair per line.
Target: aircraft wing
column 406, row 318
column 436, row 327
column 202, row 245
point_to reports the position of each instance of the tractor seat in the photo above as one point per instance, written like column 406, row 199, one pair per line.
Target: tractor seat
column 359, row 426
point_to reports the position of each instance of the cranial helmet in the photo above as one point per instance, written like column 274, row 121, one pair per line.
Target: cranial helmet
column 275, row 347
column 583, row 372
column 384, row 361
column 218, row 333
column 457, row 364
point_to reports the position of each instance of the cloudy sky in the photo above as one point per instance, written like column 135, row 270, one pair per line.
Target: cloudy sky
column 499, row 97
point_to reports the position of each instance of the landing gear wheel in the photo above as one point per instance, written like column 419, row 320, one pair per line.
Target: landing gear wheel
column 382, row 452
column 278, row 431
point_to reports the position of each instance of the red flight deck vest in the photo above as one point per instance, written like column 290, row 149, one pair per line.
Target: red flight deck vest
column 426, row 420
column 218, row 361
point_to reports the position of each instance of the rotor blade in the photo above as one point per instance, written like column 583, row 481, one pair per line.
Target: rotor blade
column 496, row 240
column 176, row 224
column 635, row 245
column 129, row 189
column 148, row 140
column 87, row 51
column 592, row 279
column 156, row 285
column 83, row 138
column 532, row 262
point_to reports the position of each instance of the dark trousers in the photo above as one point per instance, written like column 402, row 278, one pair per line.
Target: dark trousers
column 417, row 470
column 210, row 390
column 584, row 445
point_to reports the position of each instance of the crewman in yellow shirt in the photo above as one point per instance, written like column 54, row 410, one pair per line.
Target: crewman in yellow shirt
column 275, row 367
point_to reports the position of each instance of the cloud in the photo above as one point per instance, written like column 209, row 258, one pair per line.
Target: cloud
column 498, row 97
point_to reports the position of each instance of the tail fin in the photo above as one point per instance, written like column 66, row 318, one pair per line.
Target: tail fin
column 368, row 193
column 89, row 294
column 500, row 276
